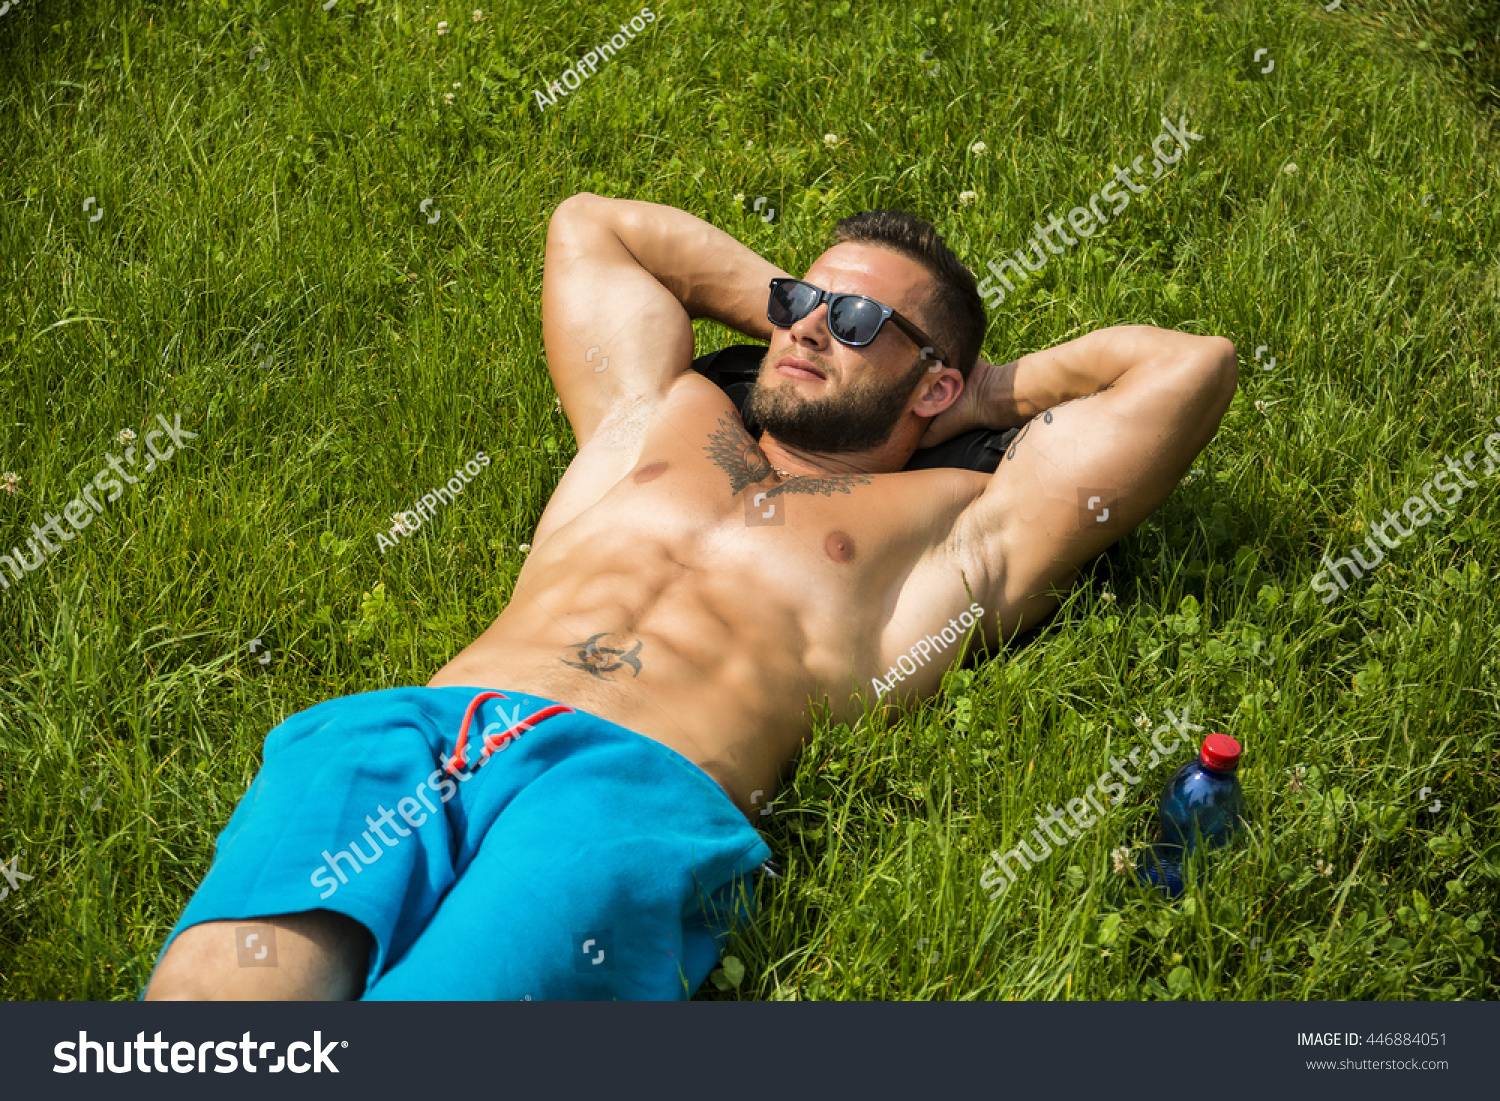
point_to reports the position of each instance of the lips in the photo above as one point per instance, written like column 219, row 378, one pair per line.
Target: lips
column 799, row 368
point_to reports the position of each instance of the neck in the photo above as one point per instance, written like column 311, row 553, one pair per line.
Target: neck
column 797, row 462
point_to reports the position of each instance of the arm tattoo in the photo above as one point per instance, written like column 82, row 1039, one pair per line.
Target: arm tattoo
column 1084, row 397
column 1047, row 418
column 1010, row 452
column 598, row 660
column 736, row 454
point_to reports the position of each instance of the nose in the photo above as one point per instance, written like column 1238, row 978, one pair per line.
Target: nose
column 813, row 329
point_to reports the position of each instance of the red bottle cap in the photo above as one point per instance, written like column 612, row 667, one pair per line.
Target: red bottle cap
column 1221, row 752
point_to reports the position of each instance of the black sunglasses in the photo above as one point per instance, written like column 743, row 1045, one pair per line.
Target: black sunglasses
column 853, row 319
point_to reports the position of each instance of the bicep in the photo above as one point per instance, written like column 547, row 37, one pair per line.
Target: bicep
column 614, row 335
column 1082, row 474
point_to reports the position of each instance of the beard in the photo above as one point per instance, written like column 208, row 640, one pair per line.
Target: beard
column 859, row 419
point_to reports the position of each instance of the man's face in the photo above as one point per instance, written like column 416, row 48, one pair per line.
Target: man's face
column 815, row 394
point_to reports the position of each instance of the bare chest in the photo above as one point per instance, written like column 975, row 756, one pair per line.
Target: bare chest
column 693, row 521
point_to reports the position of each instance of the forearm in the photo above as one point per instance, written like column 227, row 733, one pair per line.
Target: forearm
column 1010, row 394
column 706, row 269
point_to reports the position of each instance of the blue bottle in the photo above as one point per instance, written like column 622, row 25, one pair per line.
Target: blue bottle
column 1201, row 806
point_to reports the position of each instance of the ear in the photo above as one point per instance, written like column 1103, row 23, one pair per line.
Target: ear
column 937, row 390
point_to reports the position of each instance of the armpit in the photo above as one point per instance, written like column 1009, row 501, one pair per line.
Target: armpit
column 625, row 425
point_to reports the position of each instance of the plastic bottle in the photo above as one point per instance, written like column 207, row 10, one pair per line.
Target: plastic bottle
column 1201, row 806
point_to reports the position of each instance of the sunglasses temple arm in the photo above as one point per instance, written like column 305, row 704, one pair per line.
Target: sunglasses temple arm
column 920, row 339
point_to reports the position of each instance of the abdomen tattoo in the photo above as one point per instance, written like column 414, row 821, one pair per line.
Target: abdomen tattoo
column 602, row 661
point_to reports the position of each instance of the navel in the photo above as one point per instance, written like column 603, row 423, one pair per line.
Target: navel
column 840, row 546
column 647, row 473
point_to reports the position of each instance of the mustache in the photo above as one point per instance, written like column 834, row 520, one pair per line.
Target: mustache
column 770, row 359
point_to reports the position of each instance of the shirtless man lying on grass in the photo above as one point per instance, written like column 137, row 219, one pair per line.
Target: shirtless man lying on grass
column 570, row 800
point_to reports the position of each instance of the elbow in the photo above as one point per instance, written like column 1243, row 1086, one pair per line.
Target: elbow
column 1221, row 363
column 581, row 211
column 580, row 202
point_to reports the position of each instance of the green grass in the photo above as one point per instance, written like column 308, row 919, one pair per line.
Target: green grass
column 280, row 207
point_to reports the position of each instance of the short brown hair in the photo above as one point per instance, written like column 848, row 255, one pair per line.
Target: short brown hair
column 955, row 311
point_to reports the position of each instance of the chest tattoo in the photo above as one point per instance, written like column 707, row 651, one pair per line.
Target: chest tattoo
column 738, row 455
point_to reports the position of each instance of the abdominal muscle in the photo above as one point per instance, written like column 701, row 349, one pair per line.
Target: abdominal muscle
column 707, row 660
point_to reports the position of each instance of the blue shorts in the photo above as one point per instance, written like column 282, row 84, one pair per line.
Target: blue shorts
column 559, row 857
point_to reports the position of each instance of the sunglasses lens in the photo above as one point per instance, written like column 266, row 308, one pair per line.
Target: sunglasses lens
column 851, row 319
column 790, row 302
column 854, row 320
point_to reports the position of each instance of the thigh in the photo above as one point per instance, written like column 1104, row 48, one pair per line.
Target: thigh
column 315, row 956
column 606, row 877
column 598, row 864
column 319, row 828
column 532, row 917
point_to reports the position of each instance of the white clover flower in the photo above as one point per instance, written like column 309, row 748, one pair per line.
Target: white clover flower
column 1291, row 167
column 830, row 140
column 478, row 16
column 1142, row 722
column 525, row 548
column 1322, row 867
column 739, row 197
column 443, row 27
column 456, row 84
column 749, row 143
column 1294, row 783
column 9, row 480
column 124, row 435
column 1120, row 858
column 1260, row 407
column 399, row 524
column 978, row 148
column 967, row 197
column 1107, row 596
column 448, row 98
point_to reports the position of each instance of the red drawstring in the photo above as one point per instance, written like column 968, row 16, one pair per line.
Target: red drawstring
column 492, row 742
column 463, row 731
